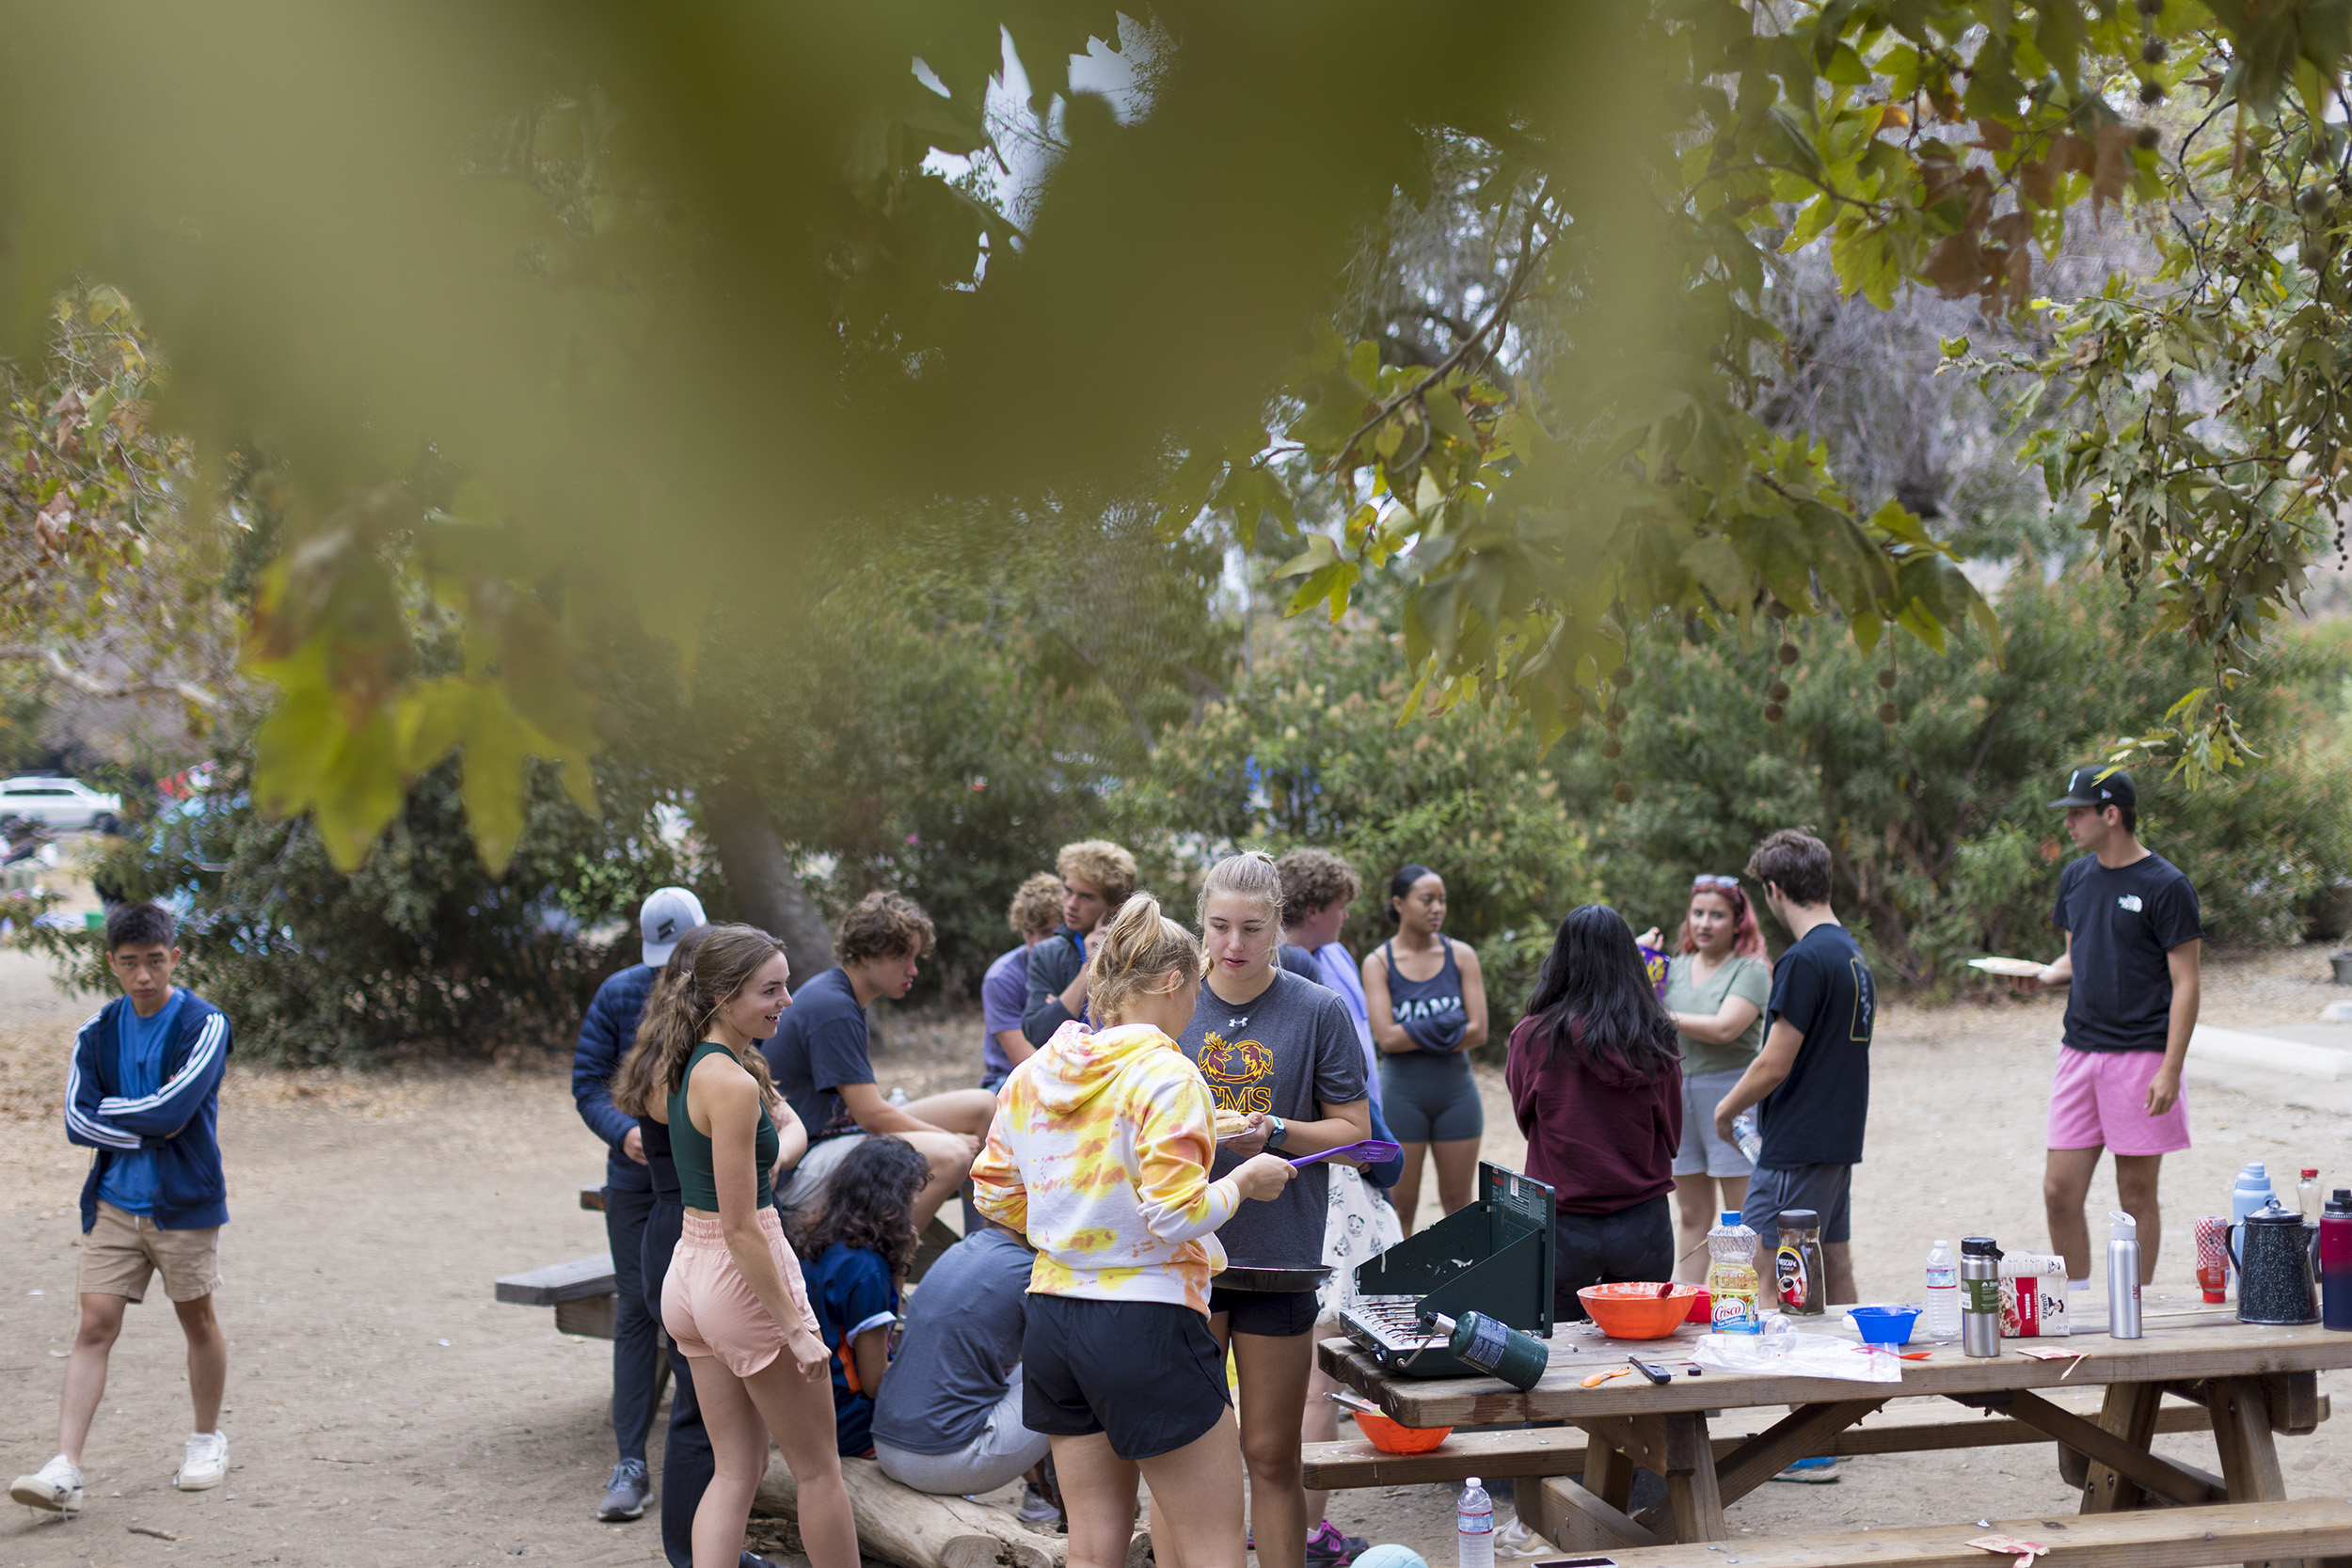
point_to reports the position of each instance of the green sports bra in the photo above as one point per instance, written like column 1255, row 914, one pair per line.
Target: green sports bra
column 690, row 1150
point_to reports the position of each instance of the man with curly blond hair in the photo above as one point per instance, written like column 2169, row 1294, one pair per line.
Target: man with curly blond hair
column 1097, row 877
column 820, row 1063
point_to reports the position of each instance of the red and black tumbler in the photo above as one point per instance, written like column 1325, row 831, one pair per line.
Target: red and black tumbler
column 2335, row 1260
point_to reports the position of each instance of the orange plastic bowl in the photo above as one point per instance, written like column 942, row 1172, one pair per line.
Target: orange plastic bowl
column 1635, row 1310
column 1391, row 1438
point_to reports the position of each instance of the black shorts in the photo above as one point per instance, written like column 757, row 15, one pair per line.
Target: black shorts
column 1273, row 1314
column 1148, row 1374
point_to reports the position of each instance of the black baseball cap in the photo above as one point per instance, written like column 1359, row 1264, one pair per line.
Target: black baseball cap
column 2099, row 787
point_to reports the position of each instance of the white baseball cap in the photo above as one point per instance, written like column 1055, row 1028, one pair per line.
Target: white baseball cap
column 669, row 914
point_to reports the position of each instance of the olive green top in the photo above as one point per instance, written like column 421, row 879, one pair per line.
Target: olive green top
column 1686, row 993
column 690, row 1150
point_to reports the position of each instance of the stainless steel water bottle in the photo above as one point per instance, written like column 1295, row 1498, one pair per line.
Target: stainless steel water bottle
column 2123, row 1275
column 1979, row 1295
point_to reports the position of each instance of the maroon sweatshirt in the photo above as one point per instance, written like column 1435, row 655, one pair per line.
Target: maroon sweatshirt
column 1602, row 1137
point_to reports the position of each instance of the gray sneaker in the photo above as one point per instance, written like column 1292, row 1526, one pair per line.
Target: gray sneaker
column 624, row 1494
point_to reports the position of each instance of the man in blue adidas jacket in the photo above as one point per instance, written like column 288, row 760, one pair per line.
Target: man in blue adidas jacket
column 144, row 1091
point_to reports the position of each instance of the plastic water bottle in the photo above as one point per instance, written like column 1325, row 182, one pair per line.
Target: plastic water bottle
column 1474, row 1527
column 1747, row 1133
column 1731, row 1277
column 898, row 1095
column 1943, row 1292
column 2252, row 1192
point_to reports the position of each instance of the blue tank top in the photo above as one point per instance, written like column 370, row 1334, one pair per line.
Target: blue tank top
column 1431, row 1011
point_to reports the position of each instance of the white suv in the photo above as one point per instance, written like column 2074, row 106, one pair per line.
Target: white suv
column 60, row 803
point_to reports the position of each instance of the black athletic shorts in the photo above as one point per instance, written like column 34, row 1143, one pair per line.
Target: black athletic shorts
column 1274, row 1314
column 1148, row 1374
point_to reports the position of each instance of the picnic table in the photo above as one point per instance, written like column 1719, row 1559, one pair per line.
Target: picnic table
column 2250, row 1384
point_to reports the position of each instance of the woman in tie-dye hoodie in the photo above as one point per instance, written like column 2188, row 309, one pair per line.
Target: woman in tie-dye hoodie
column 1099, row 1155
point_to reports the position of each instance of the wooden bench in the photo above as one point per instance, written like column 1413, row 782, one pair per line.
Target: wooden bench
column 581, row 1291
column 1906, row 1428
column 2316, row 1531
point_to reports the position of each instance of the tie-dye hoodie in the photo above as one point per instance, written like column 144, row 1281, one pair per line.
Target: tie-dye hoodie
column 1099, row 1153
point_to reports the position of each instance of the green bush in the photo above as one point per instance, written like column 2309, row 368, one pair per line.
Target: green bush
column 419, row 951
column 1943, row 847
column 1307, row 751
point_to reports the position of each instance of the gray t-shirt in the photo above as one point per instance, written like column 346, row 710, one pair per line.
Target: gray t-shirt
column 962, row 1339
column 1283, row 1051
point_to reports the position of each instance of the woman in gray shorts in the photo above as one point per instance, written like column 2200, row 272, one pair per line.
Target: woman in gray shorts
column 1716, row 987
column 1427, row 1004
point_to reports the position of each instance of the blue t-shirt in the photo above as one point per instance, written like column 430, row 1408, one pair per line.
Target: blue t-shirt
column 851, row 1289
column 1004, row 993
column 140, row 1047
column 962, row 1341
column 819, row 1046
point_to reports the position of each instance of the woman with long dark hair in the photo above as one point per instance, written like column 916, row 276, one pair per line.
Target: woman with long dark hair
column 857, row 1248
column 1717, row 984
column 1595, row 1082
column 1427, row 1004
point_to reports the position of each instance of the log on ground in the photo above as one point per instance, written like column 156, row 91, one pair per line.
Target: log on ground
column 916, row 1529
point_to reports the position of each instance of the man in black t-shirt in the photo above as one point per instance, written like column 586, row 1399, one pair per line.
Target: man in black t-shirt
column 2133, row 938
column 1812, row 1079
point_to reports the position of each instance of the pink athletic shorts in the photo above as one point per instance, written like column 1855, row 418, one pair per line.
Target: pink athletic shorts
column 2101, row 1097
column 709, row 1310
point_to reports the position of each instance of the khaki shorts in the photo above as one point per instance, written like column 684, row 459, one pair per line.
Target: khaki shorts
column 122, row 1250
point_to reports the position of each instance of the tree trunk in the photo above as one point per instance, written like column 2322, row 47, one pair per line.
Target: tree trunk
column 767, row 890
column 913, row 1530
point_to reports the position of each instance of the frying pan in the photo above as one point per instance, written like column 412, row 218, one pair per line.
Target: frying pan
column 1253, row 1276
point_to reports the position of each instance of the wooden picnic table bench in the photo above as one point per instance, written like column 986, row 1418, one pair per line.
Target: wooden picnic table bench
column 2251, row 1382
column 1909, row 1425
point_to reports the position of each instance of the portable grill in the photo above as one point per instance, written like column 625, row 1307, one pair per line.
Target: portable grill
column 1494, row 1257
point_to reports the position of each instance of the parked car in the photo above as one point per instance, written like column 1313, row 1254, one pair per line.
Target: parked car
column 60, row 803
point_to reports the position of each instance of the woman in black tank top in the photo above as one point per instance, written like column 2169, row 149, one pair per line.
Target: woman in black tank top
column 733, row 1300
column 1426, row 1027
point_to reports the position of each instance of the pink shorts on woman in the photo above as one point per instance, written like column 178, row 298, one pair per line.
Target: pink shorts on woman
column 708, row 1307
column 2101, row 1098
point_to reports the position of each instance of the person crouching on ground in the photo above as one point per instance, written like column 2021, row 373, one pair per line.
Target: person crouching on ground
column 144, row 1091
column 857, row 1248
column 1099, row 1155
column 734, row 1300
column 1595, row 1084
column 948, row 1419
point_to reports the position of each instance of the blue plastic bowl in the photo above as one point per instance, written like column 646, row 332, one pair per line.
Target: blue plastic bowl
column 1883, row 1325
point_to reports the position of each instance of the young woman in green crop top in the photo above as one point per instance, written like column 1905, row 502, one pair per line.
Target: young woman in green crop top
column 733, row 1300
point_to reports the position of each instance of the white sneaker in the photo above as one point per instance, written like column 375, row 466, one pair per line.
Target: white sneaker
column 56, row 1486
column 207, row 1463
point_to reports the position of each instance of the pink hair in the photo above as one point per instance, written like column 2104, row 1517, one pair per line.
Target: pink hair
column 1747, row 936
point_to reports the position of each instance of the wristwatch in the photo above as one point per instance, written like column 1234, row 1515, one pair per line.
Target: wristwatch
column 1281, row 1130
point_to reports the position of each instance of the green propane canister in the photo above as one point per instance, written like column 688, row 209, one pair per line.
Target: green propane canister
column 1494, row 1347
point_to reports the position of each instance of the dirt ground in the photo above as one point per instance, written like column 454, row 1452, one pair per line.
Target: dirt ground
column 383, row 1410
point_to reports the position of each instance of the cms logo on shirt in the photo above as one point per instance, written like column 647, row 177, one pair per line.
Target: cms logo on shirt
column 1240, row 1073
column 2127, row 901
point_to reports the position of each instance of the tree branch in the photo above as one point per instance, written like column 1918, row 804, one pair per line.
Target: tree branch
column 90, row 686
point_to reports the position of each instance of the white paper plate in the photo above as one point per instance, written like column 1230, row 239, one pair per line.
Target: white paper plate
column 2024, row 968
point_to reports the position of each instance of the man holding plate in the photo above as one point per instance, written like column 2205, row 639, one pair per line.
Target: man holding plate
column 2132, row 938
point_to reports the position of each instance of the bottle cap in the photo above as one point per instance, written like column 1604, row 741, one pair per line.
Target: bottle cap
column 2122, row 1226
column 2340, row 1206
column 1731, row 1217
column 1979, row 1246
column 1469, row 1482
column 2310, row 1173
column 1800, row 1219
column 1941, row 1245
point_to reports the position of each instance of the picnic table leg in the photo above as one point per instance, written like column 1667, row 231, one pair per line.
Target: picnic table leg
column 2130, row 1414
column 1608, row 1473
column 2249, row 1456
column 1693, row 1499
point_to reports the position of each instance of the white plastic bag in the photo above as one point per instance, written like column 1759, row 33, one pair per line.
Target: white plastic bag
column 1783, row 1351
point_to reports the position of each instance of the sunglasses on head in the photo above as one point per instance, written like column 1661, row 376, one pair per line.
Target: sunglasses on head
column 1715, row 881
